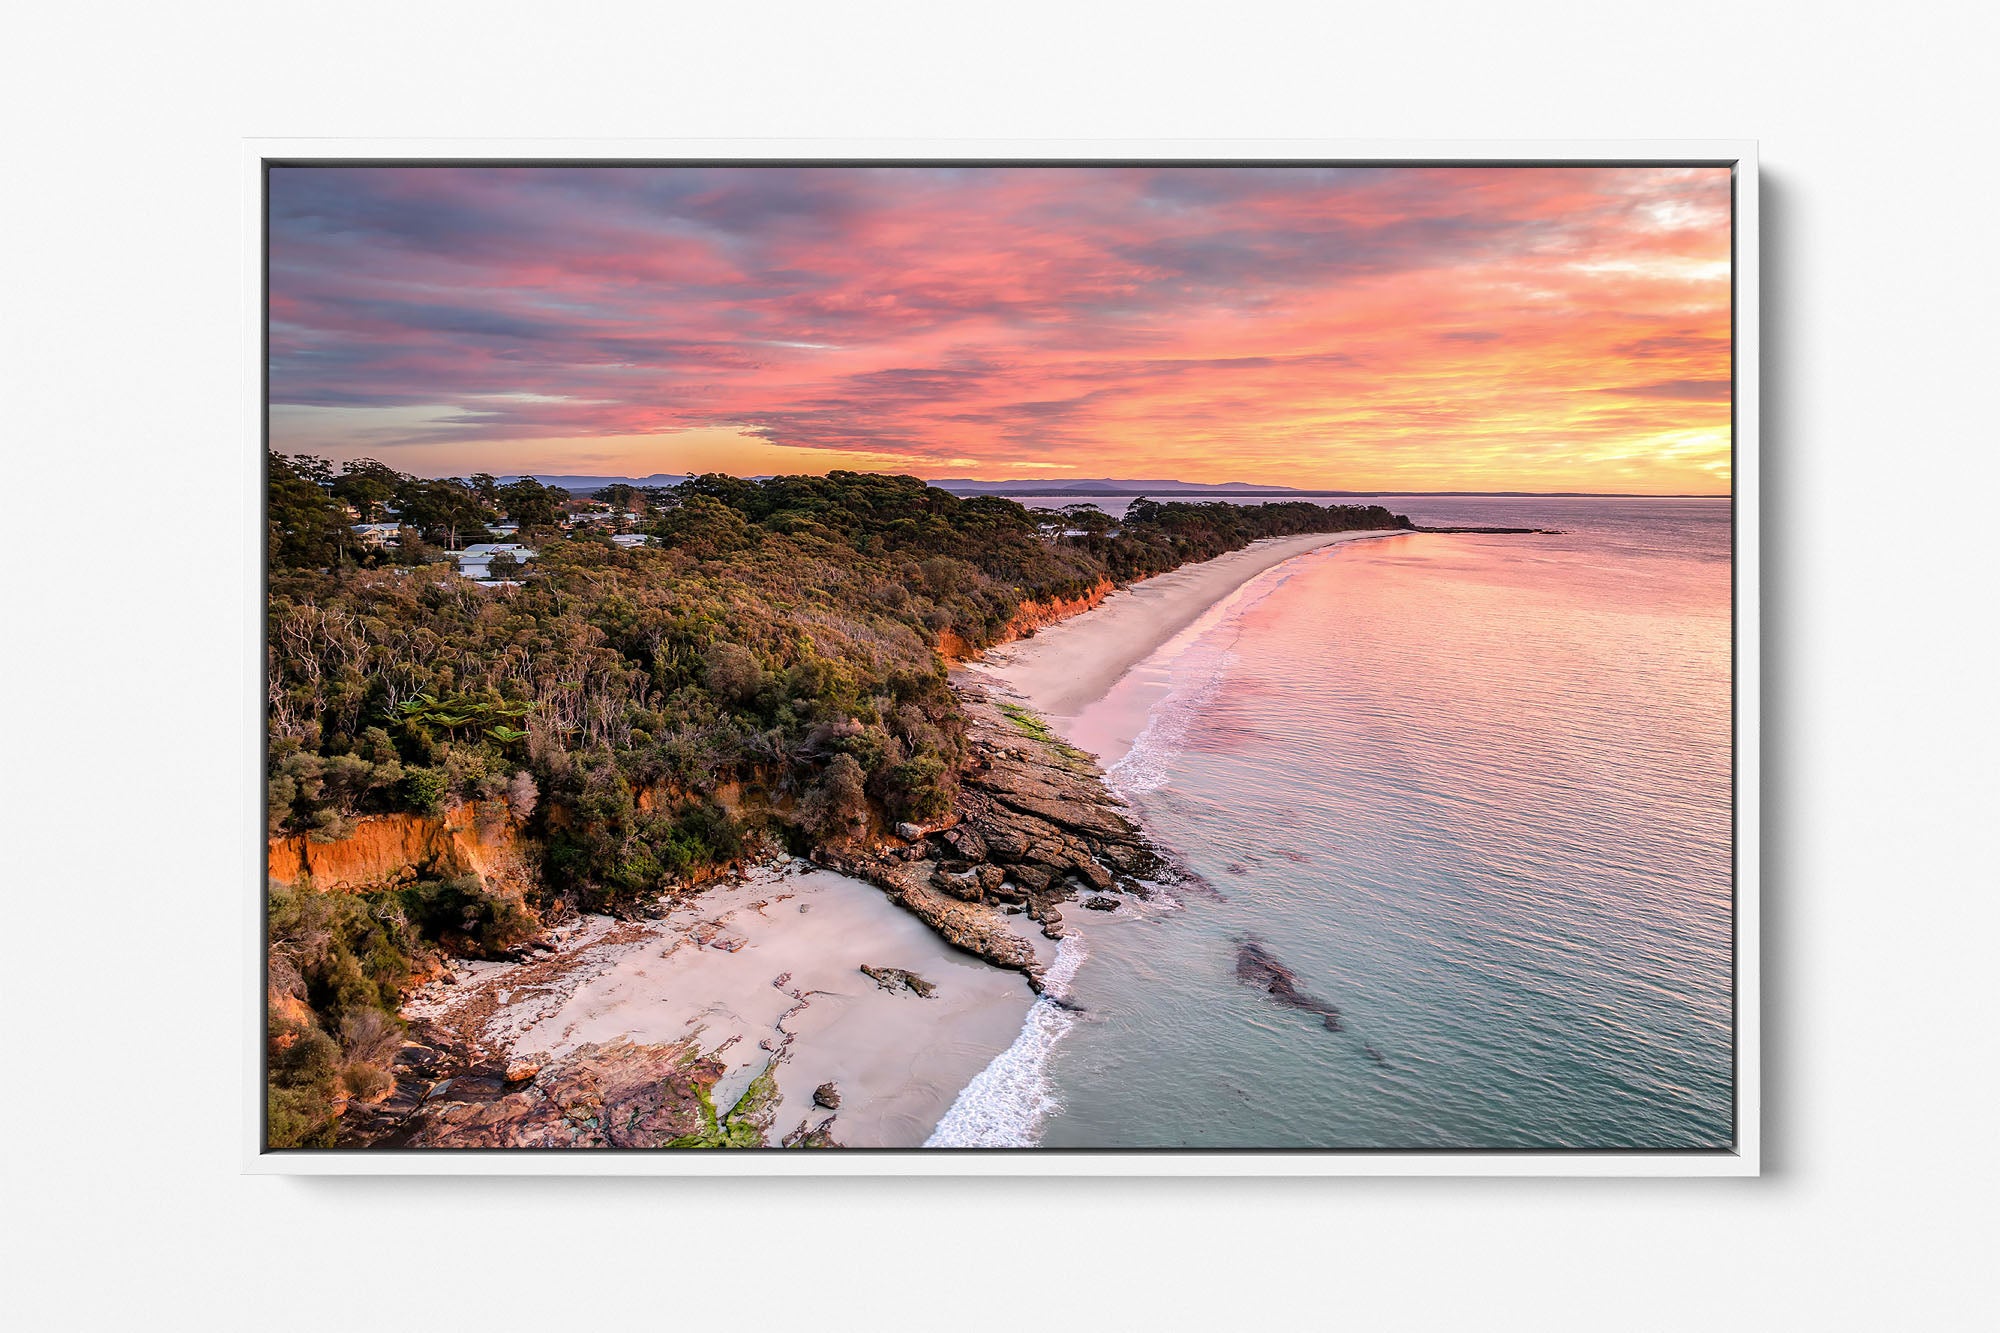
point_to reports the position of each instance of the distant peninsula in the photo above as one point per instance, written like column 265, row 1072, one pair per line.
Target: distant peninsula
column 1104, row 487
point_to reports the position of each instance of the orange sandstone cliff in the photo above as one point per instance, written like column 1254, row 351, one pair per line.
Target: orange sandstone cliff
column 1028, row 618
column 385, row 850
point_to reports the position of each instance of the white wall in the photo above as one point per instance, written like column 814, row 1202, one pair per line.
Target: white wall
column 123, row 319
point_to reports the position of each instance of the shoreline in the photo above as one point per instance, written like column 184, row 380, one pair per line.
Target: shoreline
column 1067, row 667
column 763, row 981
column 1068, row 673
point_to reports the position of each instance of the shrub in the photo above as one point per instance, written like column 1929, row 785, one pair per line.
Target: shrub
column 370, row 1036
column 302, row 1064
column 280, row 792
column 732, row 673
column 468, row 919
column 917, row 788
column 424, row 789
column 709, row 831
column 837, row 805
column 366, row 1082
column 522, row 795
column 298, row 1117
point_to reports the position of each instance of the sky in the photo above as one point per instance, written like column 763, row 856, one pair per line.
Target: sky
column 1355, row 328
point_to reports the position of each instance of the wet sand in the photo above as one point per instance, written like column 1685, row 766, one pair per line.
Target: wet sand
column 1067, row 667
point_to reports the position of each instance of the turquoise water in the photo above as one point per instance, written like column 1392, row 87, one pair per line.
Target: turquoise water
column 1474, row 791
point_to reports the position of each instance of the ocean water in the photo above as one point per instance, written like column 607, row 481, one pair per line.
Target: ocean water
column 1474, row 792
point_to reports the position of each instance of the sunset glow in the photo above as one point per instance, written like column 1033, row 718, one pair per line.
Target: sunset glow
column 1474, row 328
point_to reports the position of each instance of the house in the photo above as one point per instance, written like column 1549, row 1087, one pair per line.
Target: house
column 476, row 560
column 628, row 540
column 378, row 534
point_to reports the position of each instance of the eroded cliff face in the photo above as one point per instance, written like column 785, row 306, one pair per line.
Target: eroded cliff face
column 742, row 799
column 1031, row 616
column 386, row 850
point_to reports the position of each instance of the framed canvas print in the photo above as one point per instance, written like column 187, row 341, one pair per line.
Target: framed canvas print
column 991, row 658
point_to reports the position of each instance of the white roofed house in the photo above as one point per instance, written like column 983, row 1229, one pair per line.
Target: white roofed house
column 628, row 540
column 378, row 534
column 476, row 561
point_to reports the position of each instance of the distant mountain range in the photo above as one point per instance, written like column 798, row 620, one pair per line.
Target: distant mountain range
column 967, row 486
column 1108, row 486
column 578, row 485
column 1113, row 486
column 1082, row 489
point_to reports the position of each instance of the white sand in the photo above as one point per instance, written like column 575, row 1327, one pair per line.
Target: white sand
column 897, row 1059
column 1067, row 667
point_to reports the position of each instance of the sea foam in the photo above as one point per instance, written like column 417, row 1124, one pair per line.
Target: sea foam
column 1198, row 662
column 1006, row 1105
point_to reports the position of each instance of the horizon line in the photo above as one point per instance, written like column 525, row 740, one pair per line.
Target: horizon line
column 1133, row 490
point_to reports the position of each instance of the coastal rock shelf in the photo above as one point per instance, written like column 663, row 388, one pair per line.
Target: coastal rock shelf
column 1035, row 827
column 617, row 1094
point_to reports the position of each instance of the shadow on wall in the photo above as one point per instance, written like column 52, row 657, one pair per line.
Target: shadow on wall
column 1779, row 537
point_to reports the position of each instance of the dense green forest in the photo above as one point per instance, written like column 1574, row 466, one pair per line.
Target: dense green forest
column 776, row 643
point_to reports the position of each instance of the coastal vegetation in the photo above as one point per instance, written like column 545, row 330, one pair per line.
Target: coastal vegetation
column 763, row 674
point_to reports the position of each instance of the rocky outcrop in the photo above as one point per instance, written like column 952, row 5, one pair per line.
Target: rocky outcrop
column 1258, row 966
column 893, row 979
column 976, row 927
column 1035, row 827
column 959, row 879
column 615, row 1094
column 809, row 1135
column 1038, row 807
column 386, row 850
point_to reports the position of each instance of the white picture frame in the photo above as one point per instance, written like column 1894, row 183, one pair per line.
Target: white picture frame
column 1743, row 1159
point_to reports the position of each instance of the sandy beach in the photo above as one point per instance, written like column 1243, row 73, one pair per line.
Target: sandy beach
column 769, row 968
column 1067, row 667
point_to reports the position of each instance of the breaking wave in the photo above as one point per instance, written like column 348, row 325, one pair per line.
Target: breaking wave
column 1145, row 766
column 1007, row 1103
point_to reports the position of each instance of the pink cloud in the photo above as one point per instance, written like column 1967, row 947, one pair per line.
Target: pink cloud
column 1360, row 325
